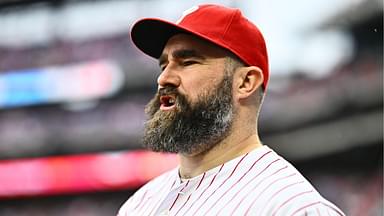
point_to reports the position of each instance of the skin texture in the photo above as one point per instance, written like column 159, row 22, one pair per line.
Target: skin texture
column 198, row 73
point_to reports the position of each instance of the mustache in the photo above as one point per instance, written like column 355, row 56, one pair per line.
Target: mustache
column 154, row 105
column 167, row 90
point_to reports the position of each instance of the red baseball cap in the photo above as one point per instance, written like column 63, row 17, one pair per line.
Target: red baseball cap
column 223, row 26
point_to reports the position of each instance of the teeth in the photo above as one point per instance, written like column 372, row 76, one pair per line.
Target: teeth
column 171, row 101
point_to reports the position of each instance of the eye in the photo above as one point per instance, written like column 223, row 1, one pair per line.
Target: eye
column 189, row 62
column 162, row 67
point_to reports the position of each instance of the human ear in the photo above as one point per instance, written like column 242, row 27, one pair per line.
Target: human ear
column 248, row 79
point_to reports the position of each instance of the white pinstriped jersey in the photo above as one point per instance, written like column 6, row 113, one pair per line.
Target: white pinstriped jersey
column 257, row 183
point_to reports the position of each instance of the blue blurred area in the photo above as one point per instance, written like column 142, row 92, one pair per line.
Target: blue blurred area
column 22, row 88
column 89, row 81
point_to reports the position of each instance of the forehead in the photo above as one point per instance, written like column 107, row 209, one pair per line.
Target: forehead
column 190, row 42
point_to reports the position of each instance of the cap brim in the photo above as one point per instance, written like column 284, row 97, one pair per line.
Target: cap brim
column 150, row 35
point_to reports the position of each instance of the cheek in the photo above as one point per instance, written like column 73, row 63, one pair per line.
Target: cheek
column 201, row 80
column 204, row 89
column 200, row 86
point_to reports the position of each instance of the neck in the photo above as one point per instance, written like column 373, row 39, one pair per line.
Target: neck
column 230, row 148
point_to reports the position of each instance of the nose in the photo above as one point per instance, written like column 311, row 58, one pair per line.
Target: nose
column 168, row 77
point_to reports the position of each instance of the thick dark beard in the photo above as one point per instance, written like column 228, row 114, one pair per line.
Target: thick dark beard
column 190, row 128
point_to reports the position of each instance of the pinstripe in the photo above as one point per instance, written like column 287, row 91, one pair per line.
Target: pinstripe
column 200, row 181
column 160, row 188
column 236, row 182
column 316, row 203
column 290, row 199
column 250, row 181
column 259, row 181
column 203, row 192
column 282, row 189
column 173, row 184
column 141, row 200
column 285, row 187
column 164, row 188
column 233, row 171
column 246, row 184
column 238, row 204
column 279, row 179
column 318, row 212
column 183, row 204
column 191, row 194
column 304, row 207
column 179, row 195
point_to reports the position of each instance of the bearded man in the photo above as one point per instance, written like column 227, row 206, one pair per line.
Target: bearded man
column 214, row 73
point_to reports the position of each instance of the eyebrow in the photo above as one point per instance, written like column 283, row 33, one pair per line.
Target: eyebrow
column 182, row 54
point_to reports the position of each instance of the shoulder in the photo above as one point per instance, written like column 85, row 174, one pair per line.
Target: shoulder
column 283, row 190
column 146, row 191
column 303, row 202
column 309, row 207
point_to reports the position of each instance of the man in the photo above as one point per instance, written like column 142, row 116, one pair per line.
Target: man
column 214, row 75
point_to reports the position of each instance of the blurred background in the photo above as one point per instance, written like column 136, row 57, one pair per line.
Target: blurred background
column 73, row 90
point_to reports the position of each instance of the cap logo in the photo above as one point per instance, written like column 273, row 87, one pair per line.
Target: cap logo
column 186, row 12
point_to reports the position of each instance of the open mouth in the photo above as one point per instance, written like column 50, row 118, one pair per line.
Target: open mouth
column 167, row 102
